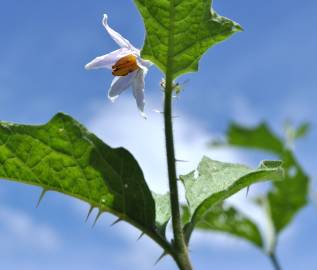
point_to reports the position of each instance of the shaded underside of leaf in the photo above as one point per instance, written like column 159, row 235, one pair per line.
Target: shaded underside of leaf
column 163, row 211
column 178, row 32
column 230, row 220
column 215, row 181
column 63, row 156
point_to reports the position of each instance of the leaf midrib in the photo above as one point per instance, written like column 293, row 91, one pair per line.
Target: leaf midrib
column 170, row 44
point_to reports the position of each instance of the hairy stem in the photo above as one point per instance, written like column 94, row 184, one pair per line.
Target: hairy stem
column 182, row 259
column 275, row 261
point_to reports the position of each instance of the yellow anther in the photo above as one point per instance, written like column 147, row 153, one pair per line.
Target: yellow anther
column 125, row 65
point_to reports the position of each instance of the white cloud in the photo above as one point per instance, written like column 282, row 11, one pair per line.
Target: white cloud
column 243, row 111
column 120, row 125
column 18, row 227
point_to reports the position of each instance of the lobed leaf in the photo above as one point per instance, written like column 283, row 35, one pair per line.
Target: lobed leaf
column 215, row 181
column 63, row 156
column 179, row 32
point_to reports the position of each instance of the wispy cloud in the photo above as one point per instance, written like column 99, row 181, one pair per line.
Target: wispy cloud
column 120, row 125
column 19, row 227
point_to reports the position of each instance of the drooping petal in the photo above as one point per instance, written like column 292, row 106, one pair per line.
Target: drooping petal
column 120, row 40
column 119, row 84
column 108, row 60
column 138, row 90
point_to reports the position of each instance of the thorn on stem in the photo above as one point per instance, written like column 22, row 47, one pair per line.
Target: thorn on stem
column 158, row 111
column 160, row 258
column 116, row 222
column 89, row 213
column 247, row 193
column 41, row 197
column 96, row 219
column 181, row 160
column 141, row 235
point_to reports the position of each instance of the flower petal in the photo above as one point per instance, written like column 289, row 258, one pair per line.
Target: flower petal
column 119, row 84
column 144, row 64
column 138, row 90
column 120, row 40
column 107, row 60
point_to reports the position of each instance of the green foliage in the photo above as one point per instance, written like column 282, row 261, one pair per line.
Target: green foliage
column 215, row 181
column 292, row 133
column 302, row 130
column 180, row 31
column 163, row 210
column 284, row 200
column 63, row 156
column 260, row 138
column 230, row 220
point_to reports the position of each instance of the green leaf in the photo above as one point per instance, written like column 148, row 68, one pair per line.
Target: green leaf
column 288, row 198
column 285, row 198
column 63, row 156
column 163, row 210
column 215, row 181
column 179, row 32
column 259, row 137
column 230, row 220
column 302, row 130
column 294, row 133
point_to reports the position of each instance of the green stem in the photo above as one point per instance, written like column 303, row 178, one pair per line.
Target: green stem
column 275, row 261
column 182, row 259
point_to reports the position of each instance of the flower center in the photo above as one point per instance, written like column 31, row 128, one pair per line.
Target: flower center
column 125, row 65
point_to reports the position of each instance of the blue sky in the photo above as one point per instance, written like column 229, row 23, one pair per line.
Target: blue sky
column 267, row 73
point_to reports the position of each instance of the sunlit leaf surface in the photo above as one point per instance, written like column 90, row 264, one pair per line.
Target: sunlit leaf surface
column 178, row 32
column 63, row 156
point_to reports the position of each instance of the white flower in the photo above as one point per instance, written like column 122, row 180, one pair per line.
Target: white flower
column 127, row 66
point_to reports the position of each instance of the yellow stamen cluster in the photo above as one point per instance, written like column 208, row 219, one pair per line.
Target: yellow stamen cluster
column 125, row 65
